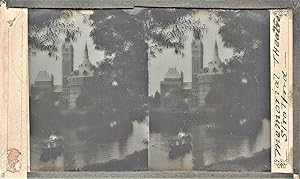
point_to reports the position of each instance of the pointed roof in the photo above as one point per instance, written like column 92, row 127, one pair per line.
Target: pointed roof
column 215, row 64
column 216, row 54
column 216, row 59
column 86, row 51
column 86, row 61
column 43, row 75
column 172, row 73
column 216, row 48
column 86, row 67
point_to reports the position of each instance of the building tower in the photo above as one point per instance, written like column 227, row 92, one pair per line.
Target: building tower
column 77, row 78
column 215, row 65
column 86, row 60
column 197, row 54
column 67, row 63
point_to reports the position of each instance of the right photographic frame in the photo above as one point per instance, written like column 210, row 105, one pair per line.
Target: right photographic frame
column 209, row 94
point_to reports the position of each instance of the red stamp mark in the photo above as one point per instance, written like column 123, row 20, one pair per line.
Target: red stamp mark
column 13, row 164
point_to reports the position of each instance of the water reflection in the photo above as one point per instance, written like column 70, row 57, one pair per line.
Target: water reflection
column 207, row 149
column 159, row 151
column 80, row 152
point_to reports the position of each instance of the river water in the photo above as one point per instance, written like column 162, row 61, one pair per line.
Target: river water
column 207, row 148
column 79, row 153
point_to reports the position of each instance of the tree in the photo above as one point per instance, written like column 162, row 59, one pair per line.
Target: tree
column 131, row 37
column 44, row 115
column 128, row 38
column 246, row 77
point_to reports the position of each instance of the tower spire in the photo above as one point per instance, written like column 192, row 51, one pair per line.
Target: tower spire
column 86, row 51
column 86, row 61
column 214, row 65
column 216, row 48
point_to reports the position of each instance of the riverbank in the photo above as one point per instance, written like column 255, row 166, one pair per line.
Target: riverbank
column 137, row 161
column 259, row 162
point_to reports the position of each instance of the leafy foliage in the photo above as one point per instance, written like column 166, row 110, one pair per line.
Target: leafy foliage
column 46, row 26
column 245, row 85
column 127, row 39
column 44, row 115
column 116, row 31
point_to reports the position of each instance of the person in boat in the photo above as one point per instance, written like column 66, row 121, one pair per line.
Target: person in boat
column 51, row 141
column 180, row 137
column 52, row 136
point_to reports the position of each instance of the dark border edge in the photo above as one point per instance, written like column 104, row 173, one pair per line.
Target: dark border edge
column 155, row 174
column 94, row 4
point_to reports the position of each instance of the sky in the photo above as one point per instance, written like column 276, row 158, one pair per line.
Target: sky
column 158, row 66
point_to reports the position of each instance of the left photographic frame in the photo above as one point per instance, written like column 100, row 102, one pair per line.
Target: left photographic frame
column 88, row 91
